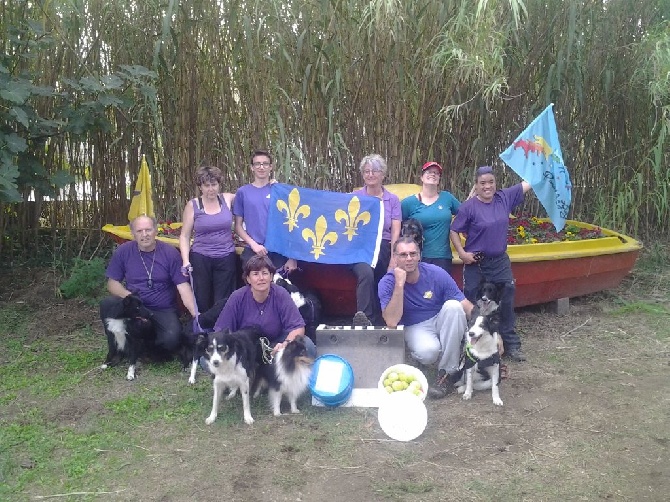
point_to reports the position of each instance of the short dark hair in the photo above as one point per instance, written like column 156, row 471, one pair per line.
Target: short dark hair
column 258, row 153
column 481, row 171
column 256, row 263
column 405, row 239
column 207, row 174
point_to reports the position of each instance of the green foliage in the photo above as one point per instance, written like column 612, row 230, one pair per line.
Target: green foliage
column 32, row 115
column 87, row 279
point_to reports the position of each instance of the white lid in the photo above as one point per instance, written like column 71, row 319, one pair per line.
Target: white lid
column 402, row 416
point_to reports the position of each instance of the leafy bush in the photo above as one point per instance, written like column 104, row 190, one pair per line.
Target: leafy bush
column 87, row 279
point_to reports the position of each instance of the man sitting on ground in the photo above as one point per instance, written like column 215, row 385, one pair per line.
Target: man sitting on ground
column 426, row 300
column 151, row 269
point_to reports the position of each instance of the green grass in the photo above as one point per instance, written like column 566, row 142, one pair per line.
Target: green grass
column 588, row 431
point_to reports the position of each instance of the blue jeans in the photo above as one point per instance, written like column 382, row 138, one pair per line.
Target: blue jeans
column 496, row 269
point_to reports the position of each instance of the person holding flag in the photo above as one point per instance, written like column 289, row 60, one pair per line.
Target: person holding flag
column 484, row 219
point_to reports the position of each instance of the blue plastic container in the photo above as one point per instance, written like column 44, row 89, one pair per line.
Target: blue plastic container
column 332, row 380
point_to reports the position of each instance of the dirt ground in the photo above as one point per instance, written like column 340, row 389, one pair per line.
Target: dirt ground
column 585, row 418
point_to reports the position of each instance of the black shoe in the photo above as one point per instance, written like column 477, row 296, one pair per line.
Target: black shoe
column 516, row 355
column 442, row 387
column 360, row 319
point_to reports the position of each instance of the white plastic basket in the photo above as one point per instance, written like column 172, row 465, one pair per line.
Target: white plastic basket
column 407, row 370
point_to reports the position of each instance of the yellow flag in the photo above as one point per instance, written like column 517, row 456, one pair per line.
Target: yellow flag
column 141, row 202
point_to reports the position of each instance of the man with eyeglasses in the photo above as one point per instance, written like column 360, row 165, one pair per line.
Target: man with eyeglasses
column 151, row 269
column 426, row 300
column 251, row 208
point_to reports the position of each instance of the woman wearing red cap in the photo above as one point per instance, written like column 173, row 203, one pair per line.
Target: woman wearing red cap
column 433, row 209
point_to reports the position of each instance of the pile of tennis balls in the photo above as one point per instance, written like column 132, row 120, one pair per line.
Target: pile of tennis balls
column 398, row 381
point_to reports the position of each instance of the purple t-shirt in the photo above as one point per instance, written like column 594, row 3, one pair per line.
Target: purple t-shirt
column 253, row 205
column 276, row 316
column 485, row 223
column 423, row 299
column 134, row 267
column 391, row 209
column 212, row 233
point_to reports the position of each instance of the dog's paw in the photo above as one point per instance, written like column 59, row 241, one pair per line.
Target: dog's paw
column 210, row 419
column 295, row 411
column 467, row 395
column 497, row 401
column 231, row 394
column 460, row 389
column 104, row 366
column 131, row 374
column 191, row 380
column 248, row 420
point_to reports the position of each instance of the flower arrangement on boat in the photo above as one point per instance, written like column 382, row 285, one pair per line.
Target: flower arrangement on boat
column 169, row 229
column 526, row 229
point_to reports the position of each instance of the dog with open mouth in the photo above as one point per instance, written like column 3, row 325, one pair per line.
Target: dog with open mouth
column 481, row 357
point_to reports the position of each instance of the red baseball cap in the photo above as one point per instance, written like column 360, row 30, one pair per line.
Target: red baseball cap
column 428, row 165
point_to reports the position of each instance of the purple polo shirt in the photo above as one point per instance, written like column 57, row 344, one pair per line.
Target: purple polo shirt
column 131, row 265
column 391, row 209
column 424, row 299
column 279, row 314
column 485, row 223
column 253, row 205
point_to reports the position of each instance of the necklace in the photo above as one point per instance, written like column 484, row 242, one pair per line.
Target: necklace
column 150, row 282
column 261, row 306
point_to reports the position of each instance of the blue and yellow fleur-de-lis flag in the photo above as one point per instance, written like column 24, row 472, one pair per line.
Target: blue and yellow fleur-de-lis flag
column 324, row 227
column 536, row 156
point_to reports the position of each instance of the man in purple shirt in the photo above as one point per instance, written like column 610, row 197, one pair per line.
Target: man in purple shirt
column 484, row 219
column 426, row 300
column 251, row 208
column 150, row 269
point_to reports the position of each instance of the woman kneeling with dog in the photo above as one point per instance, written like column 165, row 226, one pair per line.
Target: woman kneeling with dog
column 262, row 303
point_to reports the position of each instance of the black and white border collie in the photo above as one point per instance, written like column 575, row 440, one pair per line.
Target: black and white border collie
column 287, row 375
column 481, row 358
column 413, row 228
column 129, row 331
column 232, row 359
column 191, row 351
column 308, row 304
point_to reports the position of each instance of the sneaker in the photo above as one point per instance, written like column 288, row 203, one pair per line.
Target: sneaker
column 360, row 319
column 442, row 387
column 516, row 355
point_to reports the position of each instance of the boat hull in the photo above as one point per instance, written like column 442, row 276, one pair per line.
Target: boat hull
column 543, row 272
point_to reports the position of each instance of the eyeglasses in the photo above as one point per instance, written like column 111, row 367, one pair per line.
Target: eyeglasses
column 411, row 254
column 368, row 172
column 262, row 164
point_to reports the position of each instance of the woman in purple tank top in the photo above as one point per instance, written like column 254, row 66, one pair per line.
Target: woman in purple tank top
column 211, row 257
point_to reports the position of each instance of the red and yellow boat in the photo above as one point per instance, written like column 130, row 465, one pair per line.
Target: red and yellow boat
column 544, row 272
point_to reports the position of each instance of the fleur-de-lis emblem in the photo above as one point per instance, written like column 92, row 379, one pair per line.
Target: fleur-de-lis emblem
column 293, row 209
column 351, row 218
column 319, row 237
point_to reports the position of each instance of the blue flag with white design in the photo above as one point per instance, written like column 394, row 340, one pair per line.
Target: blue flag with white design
column 536, row 156
column 324, row 227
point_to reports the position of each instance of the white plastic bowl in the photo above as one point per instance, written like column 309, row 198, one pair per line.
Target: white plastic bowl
column 407, row 369
column 402, row 416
